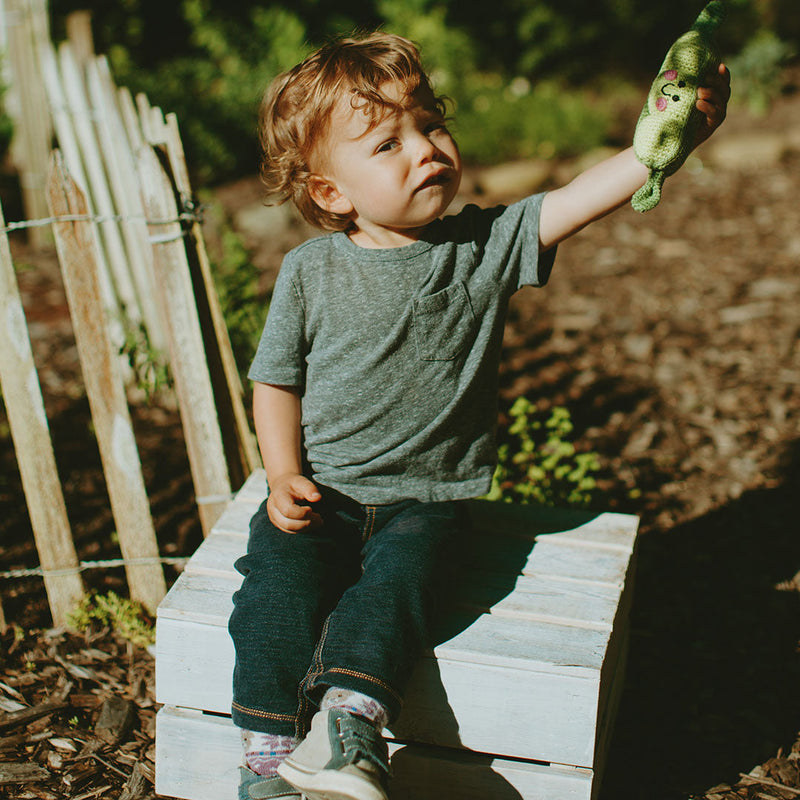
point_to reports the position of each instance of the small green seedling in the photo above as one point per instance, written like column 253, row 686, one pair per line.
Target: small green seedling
column 539, row 463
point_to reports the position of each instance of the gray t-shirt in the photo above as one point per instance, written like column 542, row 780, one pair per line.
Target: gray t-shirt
column 397, row 352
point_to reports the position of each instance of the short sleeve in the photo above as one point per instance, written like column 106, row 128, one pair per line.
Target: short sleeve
column 280, row 357
column 509, row 237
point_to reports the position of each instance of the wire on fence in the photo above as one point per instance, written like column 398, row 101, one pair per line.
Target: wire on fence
column 37, row 572
column 192, row 215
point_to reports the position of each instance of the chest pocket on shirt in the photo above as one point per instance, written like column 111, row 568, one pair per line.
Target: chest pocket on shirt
column 444, row 323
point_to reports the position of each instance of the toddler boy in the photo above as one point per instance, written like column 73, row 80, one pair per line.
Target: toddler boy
column 374, row 402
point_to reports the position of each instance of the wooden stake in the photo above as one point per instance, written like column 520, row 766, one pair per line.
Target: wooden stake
column 242, row 451
column 68, row 145
column 79, row 35
column 31, row 435
column 123, row 184
column 33, row 128
column 104, row 387
column 97, row 186
column 187, row 354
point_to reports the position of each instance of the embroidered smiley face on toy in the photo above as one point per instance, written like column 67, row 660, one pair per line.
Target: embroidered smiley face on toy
column 671, row 91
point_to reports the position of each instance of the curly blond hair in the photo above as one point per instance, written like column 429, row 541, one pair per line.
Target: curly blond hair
column 298, row 104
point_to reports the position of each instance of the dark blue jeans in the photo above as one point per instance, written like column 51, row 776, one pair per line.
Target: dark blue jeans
column 347, row 604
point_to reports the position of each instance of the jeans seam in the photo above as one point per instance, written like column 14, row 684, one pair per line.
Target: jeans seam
column 254, row 712
column 314, row 671
column 369, row 523
column 351, row 673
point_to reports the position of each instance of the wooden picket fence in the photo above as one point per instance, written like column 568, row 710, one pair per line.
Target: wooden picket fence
column 115, row 196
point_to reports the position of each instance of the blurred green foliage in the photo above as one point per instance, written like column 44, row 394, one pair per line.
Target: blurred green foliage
column 758, row 67
column 236, row 282
column 525, row 76
column 6, row 124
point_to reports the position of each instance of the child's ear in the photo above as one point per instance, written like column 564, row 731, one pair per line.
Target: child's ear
column 327, row 196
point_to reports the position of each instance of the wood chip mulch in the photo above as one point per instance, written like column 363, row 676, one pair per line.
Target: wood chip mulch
column 77, row 717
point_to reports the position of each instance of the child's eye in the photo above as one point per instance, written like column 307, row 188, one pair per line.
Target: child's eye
column 386, row 146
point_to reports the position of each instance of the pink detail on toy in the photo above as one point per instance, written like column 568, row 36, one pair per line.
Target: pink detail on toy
column 661, row 103
column 671, row 74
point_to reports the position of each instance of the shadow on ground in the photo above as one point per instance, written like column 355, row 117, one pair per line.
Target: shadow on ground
column 713, row 684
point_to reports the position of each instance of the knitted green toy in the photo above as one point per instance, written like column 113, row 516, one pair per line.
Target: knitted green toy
column 668, row 124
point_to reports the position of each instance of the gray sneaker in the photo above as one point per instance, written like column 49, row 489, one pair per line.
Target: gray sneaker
column 257, row 787
column 342, row 758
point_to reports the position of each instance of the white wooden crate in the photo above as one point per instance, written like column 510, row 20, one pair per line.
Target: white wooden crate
column 517, row 699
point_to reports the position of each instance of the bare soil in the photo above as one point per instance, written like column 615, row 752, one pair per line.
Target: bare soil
column 674, row 340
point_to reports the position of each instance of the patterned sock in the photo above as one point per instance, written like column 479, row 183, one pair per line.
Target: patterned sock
column 356, row 703
column 263, row 752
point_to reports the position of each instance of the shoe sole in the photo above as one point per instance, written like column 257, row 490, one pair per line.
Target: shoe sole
column 328, row 784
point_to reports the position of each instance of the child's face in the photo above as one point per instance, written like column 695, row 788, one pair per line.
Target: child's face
column 393, row 178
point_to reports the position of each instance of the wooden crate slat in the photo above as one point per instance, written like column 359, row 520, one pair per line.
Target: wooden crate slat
column 551, row 557
column 199, row 756
column 254, row 489
column 188, row 676
column 200, row 598
column 607, row 529
column 217, row 552
column 550, row 716
column 235, row 519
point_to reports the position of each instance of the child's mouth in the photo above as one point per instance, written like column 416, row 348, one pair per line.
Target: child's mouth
column 435, row 180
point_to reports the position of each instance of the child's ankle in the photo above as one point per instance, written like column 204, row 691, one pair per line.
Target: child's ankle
column 264, row 752
column 356, row 703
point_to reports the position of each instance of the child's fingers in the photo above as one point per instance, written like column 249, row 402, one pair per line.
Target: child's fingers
column 293, row 518
column 304, row 489
column 288, row 507
column 713, row 109
column 712, row 100
column 717, row 88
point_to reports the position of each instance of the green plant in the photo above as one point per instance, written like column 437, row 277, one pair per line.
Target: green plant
column 149, row 365
column 539, row 463
column 127, row 617
column 495, row 121
column 6, row 123
column 214, row 82
column 756, row 70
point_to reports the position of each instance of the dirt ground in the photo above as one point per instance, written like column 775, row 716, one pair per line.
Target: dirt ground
column 674, row 340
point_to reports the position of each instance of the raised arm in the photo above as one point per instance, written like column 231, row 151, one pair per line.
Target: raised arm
column 594, row 193
column 276, row 412
column 610, row 184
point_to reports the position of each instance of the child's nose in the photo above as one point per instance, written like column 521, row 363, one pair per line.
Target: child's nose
column 425, row 148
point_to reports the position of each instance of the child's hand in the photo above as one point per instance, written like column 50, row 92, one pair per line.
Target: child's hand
column 287, row 504
column 712, row 100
